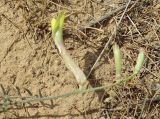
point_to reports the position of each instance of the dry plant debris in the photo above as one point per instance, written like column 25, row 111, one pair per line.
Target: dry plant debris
column 31, row 67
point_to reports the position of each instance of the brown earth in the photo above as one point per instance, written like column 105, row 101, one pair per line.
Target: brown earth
column 31, row 66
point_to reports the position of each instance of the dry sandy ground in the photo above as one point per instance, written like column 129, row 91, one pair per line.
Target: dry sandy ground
column 31, row 66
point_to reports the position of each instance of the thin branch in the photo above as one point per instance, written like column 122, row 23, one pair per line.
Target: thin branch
column 106, row 16
column 79, row 91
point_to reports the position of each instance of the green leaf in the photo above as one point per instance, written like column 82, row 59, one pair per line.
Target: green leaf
column 57, row 24
column 118, row 60
column 140, row 61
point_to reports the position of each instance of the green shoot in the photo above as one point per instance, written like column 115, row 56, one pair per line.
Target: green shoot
column 118, row 65
column 139, row 62
column 118, row 60
column 57, row 31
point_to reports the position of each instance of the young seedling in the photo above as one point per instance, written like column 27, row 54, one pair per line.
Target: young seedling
column 57, row 32
column 138, row 66
column 118, row 64
column 140, row 61
column 118, row 60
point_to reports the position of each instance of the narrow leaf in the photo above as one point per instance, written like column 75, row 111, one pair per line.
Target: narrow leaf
column 118, row 60
column 139, row 62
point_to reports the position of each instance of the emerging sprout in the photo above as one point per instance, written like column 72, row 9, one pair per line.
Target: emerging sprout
column 57, row 32
column 118, row 60
column 139, row 62
column 118, row 64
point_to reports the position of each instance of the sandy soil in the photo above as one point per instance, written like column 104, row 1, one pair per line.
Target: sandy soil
column 30, row 64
